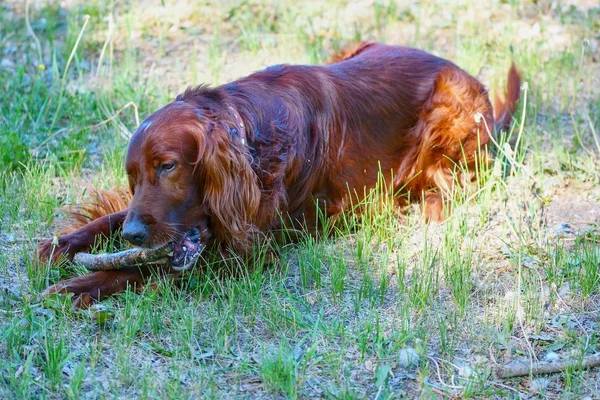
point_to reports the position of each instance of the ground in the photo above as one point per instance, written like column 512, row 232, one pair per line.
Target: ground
column 389, row 306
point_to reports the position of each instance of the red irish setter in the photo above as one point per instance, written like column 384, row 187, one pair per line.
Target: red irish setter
column 282, row 145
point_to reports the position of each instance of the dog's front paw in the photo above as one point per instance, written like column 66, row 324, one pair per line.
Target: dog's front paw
column 91, row 288
column 63, row 247
column 433, row 208
column 84, row 291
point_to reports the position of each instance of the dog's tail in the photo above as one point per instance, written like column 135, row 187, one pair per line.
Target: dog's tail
column 99, row 203
column 505, row 108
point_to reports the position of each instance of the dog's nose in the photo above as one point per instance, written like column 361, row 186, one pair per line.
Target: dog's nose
column 135, row 232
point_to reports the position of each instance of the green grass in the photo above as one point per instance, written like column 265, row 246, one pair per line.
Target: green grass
column 504, row 278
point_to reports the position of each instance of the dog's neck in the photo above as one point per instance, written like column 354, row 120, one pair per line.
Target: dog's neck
column 239, row 123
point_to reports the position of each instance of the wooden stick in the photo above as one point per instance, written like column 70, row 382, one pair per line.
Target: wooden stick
column 122, row 259
column 545, row 367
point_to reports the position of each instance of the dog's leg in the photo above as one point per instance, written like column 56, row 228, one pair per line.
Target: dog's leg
column 81, row 240
column 433, row 207
column 90, row 288
column 451, row 141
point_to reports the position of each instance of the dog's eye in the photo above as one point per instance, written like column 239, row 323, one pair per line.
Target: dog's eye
column 166, row 167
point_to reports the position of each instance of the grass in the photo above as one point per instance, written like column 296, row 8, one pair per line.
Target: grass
column 513, row 274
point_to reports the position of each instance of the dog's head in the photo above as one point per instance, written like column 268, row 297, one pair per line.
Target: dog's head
column 189, row 171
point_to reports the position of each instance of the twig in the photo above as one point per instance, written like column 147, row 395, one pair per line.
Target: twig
column 545, row 367
column 122, row 259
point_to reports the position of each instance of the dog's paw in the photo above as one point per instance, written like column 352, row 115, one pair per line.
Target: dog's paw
column 433, row 208
column 84, row 294
column 63, row 247
column 91, row 288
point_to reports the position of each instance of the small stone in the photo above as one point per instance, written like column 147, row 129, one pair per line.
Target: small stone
column 68, row 369
column 561, row 231
column 509, row 296
column 370, row 365
column 551, row 356
column 481, row 360
column 565, row 290
column 465, row 371
column 297, row 352
column 7, row 64
column 408, row 357
column 539, row 385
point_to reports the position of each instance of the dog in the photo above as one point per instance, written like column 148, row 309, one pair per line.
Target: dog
column 280, row 147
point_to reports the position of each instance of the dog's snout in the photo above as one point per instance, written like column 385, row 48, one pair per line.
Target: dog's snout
column 135, row 232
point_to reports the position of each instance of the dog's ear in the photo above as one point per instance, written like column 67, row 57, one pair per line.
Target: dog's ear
column 229, row 185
